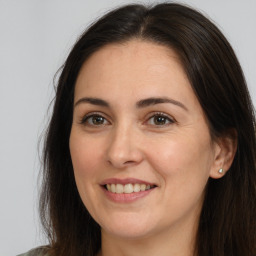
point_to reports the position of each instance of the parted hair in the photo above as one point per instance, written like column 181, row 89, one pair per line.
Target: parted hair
column 227, row 224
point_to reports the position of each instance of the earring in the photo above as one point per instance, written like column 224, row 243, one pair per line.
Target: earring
column 221, row 170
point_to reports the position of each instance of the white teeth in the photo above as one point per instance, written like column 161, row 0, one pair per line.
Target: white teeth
column 113, row 188
column 127, row 188
column 142, row 187
column 136, row 187
column 119, row 188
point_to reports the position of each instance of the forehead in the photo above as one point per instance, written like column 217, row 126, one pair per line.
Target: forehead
column 136, row 69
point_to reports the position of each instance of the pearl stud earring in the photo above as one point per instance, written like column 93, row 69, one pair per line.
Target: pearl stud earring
column 221, row 170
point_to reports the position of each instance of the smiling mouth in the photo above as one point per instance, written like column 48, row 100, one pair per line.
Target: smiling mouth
column 128, row 188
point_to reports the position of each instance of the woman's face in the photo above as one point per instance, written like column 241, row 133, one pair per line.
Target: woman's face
column 140, row 145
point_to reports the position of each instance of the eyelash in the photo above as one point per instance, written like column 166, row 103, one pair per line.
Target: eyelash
column 165, row 118
column 161, row 115
column 87, row 117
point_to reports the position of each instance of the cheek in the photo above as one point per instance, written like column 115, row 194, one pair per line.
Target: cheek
column 183, row 162
column 85, row 155
column 85, row 159
column 173, row 156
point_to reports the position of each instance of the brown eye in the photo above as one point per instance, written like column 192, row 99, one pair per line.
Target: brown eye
column 95, row 120
column 160, row 120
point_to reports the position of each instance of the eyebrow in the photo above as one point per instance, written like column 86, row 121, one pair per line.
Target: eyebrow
column 140, row 104
column 93, row 101
column 154, row 101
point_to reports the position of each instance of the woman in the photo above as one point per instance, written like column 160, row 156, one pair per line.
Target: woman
column 151, row 145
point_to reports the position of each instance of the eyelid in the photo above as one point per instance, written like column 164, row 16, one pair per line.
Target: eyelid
column 91, row 114
column 162, row 114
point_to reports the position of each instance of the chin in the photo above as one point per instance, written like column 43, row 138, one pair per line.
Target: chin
column 129, row 227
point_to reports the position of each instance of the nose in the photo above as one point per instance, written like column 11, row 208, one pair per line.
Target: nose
column 124, row 147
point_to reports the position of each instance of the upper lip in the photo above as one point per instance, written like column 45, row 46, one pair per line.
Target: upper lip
column 125, row 181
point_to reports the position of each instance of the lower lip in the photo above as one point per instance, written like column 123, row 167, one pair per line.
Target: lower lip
column 126, row 198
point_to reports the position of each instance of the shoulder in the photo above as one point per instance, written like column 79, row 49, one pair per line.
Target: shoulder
column 39, row 251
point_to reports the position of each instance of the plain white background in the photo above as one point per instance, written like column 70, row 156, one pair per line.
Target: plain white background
column 35, row 37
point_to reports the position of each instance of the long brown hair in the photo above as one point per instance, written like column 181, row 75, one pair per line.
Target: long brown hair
column 227, row 224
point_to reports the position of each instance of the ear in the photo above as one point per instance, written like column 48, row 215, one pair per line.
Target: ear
column 225, row 150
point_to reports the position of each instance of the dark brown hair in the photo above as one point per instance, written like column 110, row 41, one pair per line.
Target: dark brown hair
column 227, row 224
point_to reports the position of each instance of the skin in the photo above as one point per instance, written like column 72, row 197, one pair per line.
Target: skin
column 177, row 154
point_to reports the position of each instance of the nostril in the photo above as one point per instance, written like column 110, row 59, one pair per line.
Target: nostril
column 129, row 162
